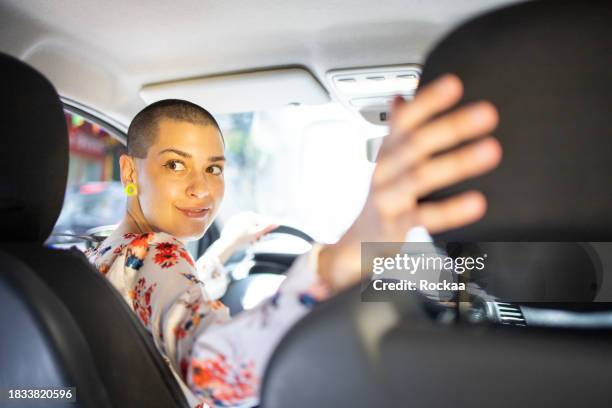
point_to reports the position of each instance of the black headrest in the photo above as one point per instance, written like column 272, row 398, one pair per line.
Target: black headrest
column 547, row 66
column 33, row 153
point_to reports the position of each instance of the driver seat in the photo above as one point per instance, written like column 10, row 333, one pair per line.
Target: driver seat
column 128, row 369
column 547, row 66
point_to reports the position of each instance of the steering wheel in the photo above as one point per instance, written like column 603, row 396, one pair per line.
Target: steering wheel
column 285, row 229
column 260, row 272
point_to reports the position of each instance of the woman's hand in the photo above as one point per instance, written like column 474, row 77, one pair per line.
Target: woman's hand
column 241, row 229
column 245, row 228
column 413, row 162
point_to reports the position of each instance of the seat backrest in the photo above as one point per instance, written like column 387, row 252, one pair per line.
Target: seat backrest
column 33, row 170
column 547, row 66
column 41, row 345
column 362, row 354
column 127, row 360
column 502, row 366
column 324, row 360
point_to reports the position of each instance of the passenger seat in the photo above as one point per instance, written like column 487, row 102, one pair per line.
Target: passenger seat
column 82, row 321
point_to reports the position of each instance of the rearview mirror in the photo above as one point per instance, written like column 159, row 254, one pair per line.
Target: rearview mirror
column 373, row 146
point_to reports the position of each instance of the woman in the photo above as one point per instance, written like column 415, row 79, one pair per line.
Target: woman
column 174, row 178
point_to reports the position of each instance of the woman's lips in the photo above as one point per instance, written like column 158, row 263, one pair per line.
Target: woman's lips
column 194, row 212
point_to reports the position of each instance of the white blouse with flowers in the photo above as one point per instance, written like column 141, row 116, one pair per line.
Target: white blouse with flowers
column 219, row 360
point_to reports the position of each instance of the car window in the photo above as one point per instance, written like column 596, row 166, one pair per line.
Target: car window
column 94, row 195
column 305, row 166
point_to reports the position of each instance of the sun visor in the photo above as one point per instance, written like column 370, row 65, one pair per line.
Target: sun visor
column 244, row 92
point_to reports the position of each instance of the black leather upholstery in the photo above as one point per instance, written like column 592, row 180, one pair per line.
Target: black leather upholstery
column 126, row 369
column 438, row 366
column 41, row 345
column 321, row 362
column 325, row 361
column 128, row 363
column 547, row 66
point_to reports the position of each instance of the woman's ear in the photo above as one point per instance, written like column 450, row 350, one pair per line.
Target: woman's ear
column 127, row 168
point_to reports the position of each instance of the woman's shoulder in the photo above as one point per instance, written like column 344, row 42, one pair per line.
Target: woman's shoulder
column 145, row 239
column 163, row 249
column 141, row 243
column 163, row 237
column 156, row 249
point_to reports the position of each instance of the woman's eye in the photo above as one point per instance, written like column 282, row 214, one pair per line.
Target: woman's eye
column 175, row 165
column 215, row 170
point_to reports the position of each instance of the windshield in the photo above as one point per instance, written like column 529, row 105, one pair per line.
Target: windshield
column 305, row 166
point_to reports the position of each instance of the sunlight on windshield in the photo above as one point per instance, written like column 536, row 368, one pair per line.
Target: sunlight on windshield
column 305, row 166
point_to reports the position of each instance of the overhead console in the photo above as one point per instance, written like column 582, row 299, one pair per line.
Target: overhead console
column 370, row 91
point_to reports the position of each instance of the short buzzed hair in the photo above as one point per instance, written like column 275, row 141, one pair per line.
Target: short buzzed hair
column 143, row 129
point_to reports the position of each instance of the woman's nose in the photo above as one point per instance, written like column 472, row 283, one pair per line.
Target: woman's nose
column 198, row 188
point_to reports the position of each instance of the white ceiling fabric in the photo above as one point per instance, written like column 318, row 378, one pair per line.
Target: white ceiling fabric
column 117, row 46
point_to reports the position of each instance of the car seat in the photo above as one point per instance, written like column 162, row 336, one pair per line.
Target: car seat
column 113, row 347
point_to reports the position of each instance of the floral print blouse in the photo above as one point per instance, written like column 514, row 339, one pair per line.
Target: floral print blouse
column 218, row 360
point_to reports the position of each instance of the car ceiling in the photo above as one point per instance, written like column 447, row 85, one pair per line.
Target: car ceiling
column 101, row 53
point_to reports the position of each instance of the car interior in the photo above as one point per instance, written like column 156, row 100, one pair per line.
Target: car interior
column 554, row 352
column 284, row 79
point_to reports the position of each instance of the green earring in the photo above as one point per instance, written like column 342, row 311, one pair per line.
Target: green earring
column 130, row 189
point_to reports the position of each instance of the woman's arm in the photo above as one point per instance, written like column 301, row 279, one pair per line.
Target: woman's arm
column 221, row 359
column 227, row 359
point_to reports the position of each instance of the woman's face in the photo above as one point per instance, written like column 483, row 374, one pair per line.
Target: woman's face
column 180, row 182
